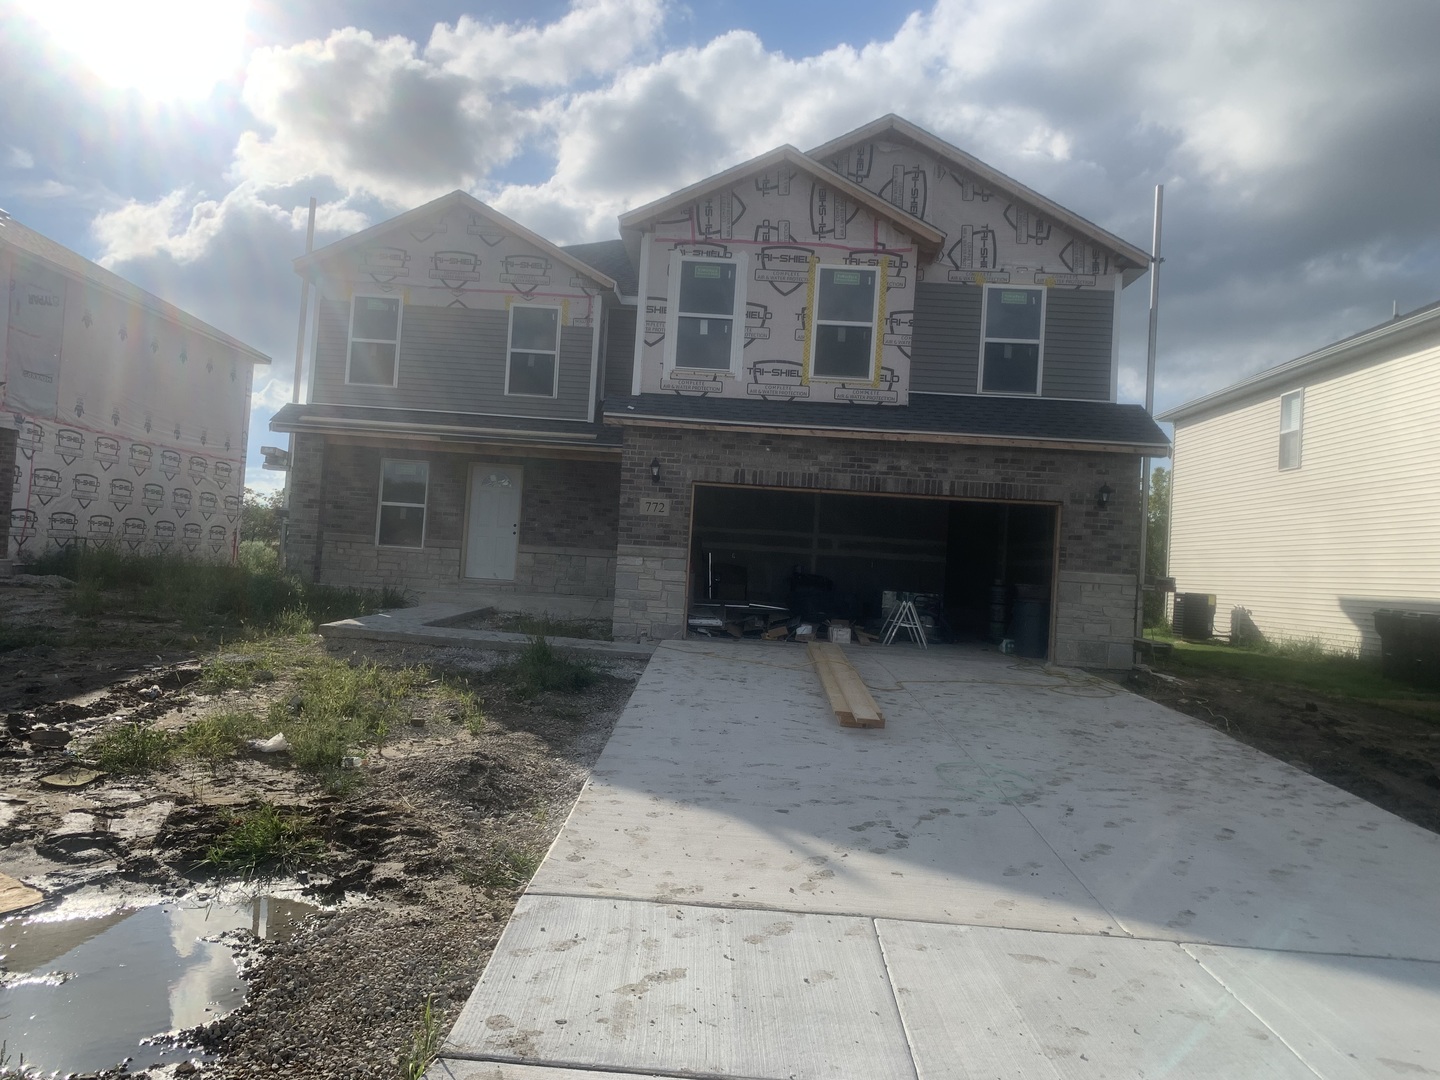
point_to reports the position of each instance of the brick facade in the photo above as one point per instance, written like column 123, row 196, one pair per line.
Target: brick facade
column 1098, row 554
column 567, row 522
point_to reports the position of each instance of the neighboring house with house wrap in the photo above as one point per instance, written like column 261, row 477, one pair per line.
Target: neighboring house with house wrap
column 881, row 364
column 1307, row 494
column 123, row 420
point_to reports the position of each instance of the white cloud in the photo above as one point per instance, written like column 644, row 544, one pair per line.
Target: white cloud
column 268, row 392
column 48, row 189
column 18, row 158
column 594, row 37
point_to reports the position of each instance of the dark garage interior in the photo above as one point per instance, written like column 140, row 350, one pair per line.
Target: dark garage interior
column 982, row 570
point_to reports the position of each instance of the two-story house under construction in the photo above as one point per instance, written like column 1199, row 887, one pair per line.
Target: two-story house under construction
column 877, row 367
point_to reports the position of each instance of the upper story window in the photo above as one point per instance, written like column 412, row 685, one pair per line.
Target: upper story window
column 1011, row 328
column 374, row 341
column 403, row 488
column 706, row 313
column 1292, row 415
column 846, row 308
column 533, row 360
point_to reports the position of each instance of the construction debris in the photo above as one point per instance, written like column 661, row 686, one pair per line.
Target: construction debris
column 849, row 697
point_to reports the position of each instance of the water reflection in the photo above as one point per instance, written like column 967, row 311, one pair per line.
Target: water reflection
column 81, row 993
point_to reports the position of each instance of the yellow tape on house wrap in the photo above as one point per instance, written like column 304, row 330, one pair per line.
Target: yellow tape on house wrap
column 884, row 287
column 809, row 319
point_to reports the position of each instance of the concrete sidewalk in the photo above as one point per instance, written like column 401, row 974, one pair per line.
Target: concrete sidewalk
column 1027, row 873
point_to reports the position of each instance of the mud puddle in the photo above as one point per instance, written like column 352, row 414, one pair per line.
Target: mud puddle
column 85, row 987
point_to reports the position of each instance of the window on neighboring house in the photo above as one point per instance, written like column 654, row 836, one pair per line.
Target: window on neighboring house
column 843, row 337
column 374, row 341
column 1010, row 340
column 403, row 486
column 706, row 313
column 534, row 350
column 1291, row 418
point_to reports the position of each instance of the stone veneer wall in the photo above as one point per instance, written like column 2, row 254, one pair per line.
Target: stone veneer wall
column 568, row 522
column 1099, row 550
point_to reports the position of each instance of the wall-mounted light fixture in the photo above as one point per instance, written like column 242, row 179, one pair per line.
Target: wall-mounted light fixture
column 655, row 470
column 1102, row 497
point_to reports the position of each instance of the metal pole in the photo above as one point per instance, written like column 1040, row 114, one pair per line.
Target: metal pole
column 1155, row 261
column 295, row 378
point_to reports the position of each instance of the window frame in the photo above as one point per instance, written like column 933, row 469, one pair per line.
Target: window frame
column 1038, row 341
column 382, row 502
column 559, row 310
column 352, row 339
column 740, row 262
column 814, row 322
column 1298, row 431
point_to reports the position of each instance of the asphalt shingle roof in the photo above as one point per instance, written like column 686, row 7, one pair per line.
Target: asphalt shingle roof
column 940, row 414
column 420, row 420
column 611, row 259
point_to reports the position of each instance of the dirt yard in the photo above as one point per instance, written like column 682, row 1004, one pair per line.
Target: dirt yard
column 417, row 851
column 1386, row 752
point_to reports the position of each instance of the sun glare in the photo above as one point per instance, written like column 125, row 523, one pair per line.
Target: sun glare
column 162, row 49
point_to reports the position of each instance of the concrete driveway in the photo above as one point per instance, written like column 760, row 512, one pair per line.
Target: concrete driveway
column 1027, row 873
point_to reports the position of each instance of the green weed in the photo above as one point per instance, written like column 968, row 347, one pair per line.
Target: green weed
column 218, row 738
column 462, row 703
column 132, row 749
column 23, row 637
column 549, row 626
column 539, row 668
column 263, row 836
column 424, row 1044
column 504, row 866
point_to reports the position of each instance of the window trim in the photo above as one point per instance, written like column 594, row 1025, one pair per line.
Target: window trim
column 381, row 503
column 1038, row 342
column 352, row 339
column 1298, row 430
column 741, row 262
column 813, row 322
column 559, row 310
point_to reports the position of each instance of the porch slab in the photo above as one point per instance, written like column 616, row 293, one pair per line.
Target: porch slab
column 428, row 624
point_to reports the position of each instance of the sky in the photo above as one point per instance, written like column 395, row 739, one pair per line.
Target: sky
column 178, row 143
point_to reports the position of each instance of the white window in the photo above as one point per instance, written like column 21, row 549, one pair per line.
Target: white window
column 403, row 487
column 705, row 316
column 1292, row 415
column 843, row 339
column 534, row 353
column 1010, row 331
column 374, row 341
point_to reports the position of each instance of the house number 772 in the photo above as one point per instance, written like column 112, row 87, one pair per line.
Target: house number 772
column 658, row 507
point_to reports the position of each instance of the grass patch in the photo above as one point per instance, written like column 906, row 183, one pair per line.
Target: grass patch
column 252, row 594
column 1303, row 666
column 23, row 637
column 461, row 703
column 263, row 836
column 539, row 668
column 424, row 1044
column 339, row 708
column 132, row 750
column 548, row 626
column 218, row 738
column 505, row 866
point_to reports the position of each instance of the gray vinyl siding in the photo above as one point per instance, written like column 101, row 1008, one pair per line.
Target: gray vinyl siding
column 619, row 352
column 451, row 360
column 945, row 341
column 1078, row 330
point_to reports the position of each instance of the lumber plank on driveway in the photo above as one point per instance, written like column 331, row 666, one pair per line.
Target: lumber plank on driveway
column 855, row 707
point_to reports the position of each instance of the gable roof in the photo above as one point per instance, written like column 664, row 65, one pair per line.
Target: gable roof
column 421, row 214
column 1355, row 346
column 890, row 124
column 610, row 257
column 27, row 241
column 925, row 234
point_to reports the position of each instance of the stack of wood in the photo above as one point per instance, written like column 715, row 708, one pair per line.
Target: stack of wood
column 849, row 697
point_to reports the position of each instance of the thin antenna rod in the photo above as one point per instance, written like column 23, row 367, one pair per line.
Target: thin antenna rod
column 1155, row 261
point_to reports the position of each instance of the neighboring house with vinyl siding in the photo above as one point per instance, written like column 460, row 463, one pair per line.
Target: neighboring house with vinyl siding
column 879, row 364
column 1307, row 494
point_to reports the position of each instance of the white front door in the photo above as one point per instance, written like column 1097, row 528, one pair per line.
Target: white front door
column 493, row 528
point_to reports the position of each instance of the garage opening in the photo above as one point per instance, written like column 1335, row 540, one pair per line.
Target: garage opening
column 764, row 558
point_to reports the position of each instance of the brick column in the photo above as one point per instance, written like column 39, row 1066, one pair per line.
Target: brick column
column 302, row 526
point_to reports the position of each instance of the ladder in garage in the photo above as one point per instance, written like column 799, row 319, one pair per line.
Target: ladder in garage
column 904, row 617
